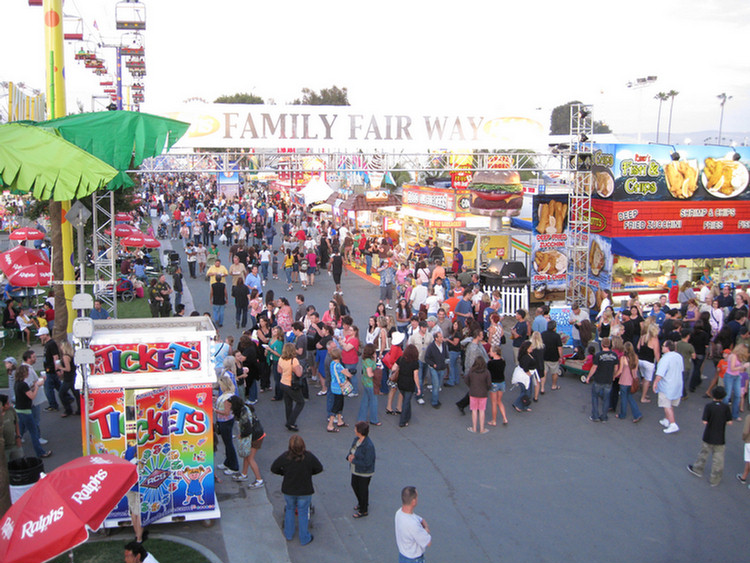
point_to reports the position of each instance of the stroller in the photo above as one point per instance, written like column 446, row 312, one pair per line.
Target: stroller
column 125, row 289
column 161, row 231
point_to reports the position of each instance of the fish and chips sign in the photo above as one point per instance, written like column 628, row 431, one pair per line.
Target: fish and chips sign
column 336, row 127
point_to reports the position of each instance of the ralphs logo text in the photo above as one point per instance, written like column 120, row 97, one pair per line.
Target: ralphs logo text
column 42, row 523
column 94, row 485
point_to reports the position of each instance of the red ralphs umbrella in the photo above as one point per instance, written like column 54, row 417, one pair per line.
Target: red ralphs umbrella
column 26, row 233
column 53, row 516
column 35, row 275
column 151, row 242
column 135, row 241
column 20, row 256
column 126, row 231
column 122, row 216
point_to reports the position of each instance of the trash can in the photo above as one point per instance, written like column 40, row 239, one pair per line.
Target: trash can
column 22, row 474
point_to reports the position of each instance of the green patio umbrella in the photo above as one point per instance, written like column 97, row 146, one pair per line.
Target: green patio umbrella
column 44, row 164
column 122, row 139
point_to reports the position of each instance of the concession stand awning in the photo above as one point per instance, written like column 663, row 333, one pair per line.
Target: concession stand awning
column 682, row 247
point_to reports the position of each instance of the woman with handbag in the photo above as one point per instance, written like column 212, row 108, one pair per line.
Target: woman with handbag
column 338, row 387
column 291, row 371
column 649, row 352
column 249, row 442
column 627, row 374
column 389, row 361
column 522, row 375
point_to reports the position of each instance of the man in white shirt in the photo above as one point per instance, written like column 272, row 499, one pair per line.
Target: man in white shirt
column 412, row 532
column 576, row 316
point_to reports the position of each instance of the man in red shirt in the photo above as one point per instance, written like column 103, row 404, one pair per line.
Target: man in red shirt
column 452, row 301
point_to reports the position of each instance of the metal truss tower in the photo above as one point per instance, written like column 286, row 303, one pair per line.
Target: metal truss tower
column 105, row 249
column 579, row 203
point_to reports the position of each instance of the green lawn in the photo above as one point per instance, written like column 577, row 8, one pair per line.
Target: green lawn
column 15, row 347
column 110, row 551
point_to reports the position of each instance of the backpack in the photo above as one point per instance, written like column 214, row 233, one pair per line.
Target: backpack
column 304, row 265
column 250, row 425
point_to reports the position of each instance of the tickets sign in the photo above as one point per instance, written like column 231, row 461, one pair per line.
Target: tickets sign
column 147, row 357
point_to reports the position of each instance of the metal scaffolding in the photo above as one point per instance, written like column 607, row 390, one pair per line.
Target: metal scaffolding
column 580, row 162
column 105, row 249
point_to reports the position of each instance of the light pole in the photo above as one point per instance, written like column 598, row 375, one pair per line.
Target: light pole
column 639, row 84
column 723, row 97
column 661, row 96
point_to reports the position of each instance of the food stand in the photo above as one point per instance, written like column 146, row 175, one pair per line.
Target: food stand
column 437, row 213
column 658, row 209
column 149, row 398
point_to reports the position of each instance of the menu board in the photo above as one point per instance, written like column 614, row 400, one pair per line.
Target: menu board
column 660, row 190
column 549, row 254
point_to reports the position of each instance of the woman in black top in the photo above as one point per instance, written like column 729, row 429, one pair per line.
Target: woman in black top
column 496, row 365
column 297, row 466
column 408, row 381
column 68, row 377
column 240, row 292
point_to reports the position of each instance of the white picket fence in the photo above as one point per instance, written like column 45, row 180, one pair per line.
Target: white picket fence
column 512, row 298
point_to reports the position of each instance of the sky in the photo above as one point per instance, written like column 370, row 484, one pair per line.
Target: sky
column 507, row 58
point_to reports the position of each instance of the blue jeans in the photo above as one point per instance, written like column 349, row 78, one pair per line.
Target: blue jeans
column 288, row 273
column 329, row 403
column 437, row 376
column 423, row 368
column 252, row 391
column 600, row 392
column 51, row 384
column 405, row 408
column 302, row 504
column 404, row 559
column 384, row 381
column 225, row 430
column 454, row 367
column 240, row 316
column 525, row 391
column 27, row 422
column 627, row 397
column 66, row 390
column 264, row 270
column 368, row 264
column 732, row 385
column 353, row 370
column 218, row 315
column 368, row 406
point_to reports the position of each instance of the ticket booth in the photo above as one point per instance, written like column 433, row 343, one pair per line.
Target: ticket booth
column 148, row 399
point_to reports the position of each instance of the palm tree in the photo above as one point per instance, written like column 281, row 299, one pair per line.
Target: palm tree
column 723, row 97
column 671, row 94
column 661, row 96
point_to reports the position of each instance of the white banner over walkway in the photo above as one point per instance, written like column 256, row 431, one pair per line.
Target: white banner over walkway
column 347, row 127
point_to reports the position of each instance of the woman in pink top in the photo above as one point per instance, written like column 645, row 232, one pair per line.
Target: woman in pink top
column 349, row 343
column 285, row 315
column 626, row 371
column 331, row 317
column 312, row 267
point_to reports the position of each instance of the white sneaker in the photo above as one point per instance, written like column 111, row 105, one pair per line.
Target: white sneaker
column 259, row 483
column 229, row 472
column 671, row 429
column 420, row 401
column 42, row 440
column 239, row 477
column 221, row 466
column 664, row 422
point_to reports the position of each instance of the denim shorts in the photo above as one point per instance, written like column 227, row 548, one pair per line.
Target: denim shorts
column 498, row 387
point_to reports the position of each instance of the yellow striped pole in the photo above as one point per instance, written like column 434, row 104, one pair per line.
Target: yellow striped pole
column 56, row 107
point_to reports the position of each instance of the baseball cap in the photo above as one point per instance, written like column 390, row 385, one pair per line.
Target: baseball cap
column 42, row 331
column 11, row 360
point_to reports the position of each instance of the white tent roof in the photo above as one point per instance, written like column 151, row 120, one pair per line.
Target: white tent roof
column 316, row 190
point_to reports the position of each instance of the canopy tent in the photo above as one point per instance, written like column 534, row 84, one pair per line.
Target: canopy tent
column 40, row 162
column 682, row 247
column 122, row 139
column 316, row 190
column 359, row 202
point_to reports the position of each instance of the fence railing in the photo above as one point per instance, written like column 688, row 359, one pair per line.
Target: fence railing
column 512, row 298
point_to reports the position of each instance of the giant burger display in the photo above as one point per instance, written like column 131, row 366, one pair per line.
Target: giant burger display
column 496, row 193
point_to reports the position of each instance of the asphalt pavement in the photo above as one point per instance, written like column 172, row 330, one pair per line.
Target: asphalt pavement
column 550, row 486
